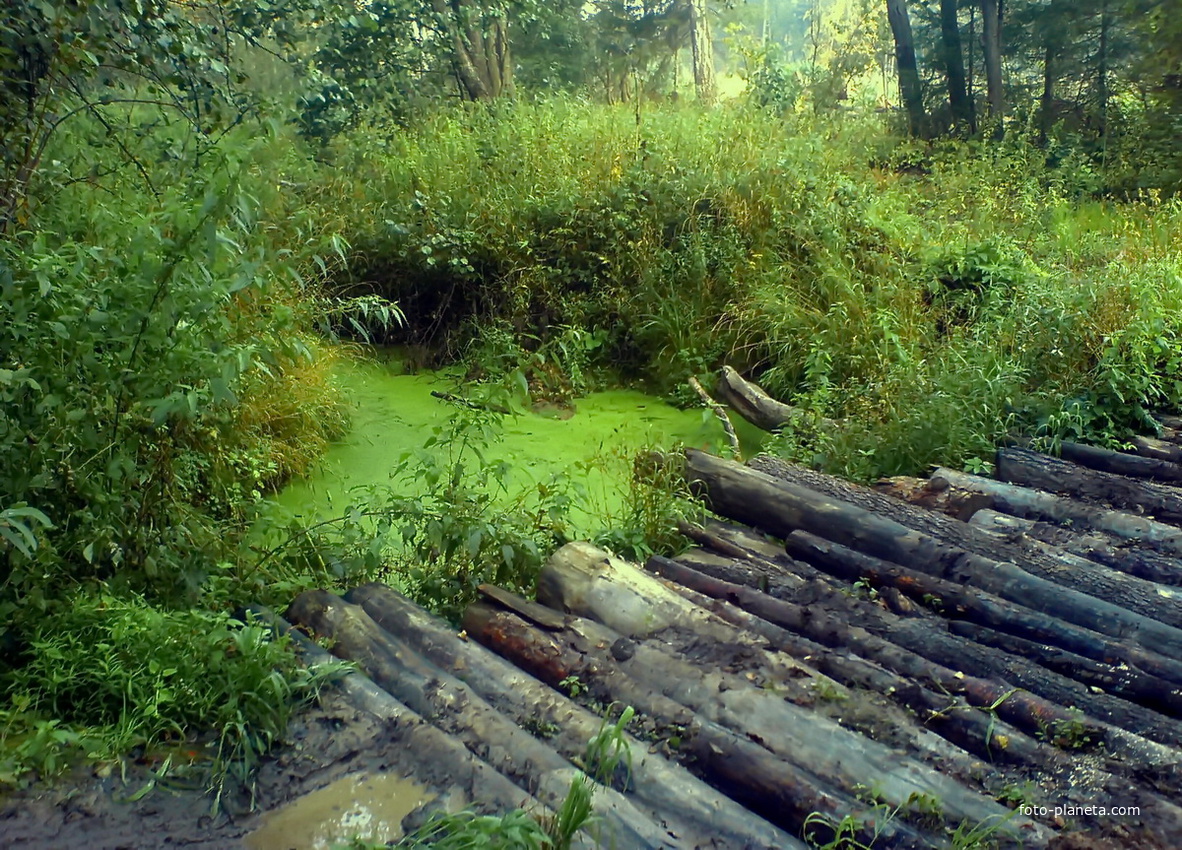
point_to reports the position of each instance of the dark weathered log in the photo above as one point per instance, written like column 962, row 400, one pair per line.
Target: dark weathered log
column 1122, row 681
column 1119, row 463
column 792, row 732
column 780, row 507
column 783, row 793
column 457, row 710
column 1156, row 449
column 1134, row 560
column 691, row 810
column 1031, row 469
column 1039, row 505
column 1169, row 420
column 752, row 403
column 1158, row 675
column 968, row 727
column 905, row 646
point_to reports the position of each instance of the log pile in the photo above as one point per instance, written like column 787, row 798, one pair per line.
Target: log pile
column 898, row 662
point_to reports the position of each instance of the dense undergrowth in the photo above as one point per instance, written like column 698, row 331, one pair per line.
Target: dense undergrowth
column 165, row 363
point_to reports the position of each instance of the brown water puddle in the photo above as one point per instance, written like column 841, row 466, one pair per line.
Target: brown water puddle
column 370, row 806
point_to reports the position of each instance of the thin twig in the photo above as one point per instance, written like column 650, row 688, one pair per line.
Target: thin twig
column 720, row 412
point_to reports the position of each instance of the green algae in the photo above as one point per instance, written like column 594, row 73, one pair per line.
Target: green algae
column 395, row 414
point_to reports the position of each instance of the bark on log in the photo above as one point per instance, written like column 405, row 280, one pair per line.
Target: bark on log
column 484, row 788
column 1031, row 556
column 1152, row 447
column 1134, row 669
column 752, row 403
column 1135, row 561
column 1031, row 469
column 1119, row 463
column 457, row 710
column 934, row 494
column 732, row 701
column 784, row 794
column 780, row 507
column 828, row 617
column 1038, row 505
column 957, row 721
column 696, row 813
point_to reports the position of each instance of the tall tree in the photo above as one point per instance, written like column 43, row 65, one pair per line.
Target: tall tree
column 703, row 52
column 909, row 85
column 958, row 99
column 991, row 35
column 478, row 36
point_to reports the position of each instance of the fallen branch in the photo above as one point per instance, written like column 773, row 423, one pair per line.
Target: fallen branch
column 719, row 412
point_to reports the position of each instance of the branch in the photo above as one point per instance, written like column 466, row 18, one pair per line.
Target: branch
column 722, row 417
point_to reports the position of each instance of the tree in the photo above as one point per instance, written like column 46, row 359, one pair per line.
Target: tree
column 703, row 52
column 909, row 84
column 958, row 99
column 991, row 35
column 478, row 36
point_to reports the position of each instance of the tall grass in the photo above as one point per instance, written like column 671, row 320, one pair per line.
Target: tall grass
column 929, row 297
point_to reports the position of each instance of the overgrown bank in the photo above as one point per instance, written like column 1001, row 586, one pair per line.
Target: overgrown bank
column 166, row 368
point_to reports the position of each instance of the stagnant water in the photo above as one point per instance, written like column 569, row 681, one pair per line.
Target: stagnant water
column 396, row 414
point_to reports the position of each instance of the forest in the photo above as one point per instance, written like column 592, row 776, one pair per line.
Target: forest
column 933, row 228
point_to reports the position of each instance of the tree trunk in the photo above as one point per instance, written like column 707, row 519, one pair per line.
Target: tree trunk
column 991, row 34
column 958, row 99
column 1120, row 463
column 909, row 85
column 1102, row 67
column 1047, row 103
column 750, row 401
column 480, row 48
column 703, row 52
column 684, row 804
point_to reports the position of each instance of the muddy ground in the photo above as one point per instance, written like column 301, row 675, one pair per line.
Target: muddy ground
column 330, row 741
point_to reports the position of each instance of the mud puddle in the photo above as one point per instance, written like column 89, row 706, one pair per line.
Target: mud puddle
column 366, row 806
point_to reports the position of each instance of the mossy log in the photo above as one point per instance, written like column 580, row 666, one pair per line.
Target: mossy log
column 1031, row 469
column 780, row 507
column 694, row 813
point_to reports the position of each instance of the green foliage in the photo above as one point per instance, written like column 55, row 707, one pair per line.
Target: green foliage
column 115, row 673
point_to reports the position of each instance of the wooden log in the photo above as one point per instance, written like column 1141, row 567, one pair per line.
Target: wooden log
column 828, row 617
column 833, row 752
column 957, row 721
column 1152, row 447
column 752, row 403
column 783, row 793
column 1101, row 548
column 1040, row 505
column 460, row 712
column 1143, row 672
column 1031, row 469
column 934, row 494
column 1120, row 463
column 695, row 813
column 1122, row 681
column 780, row 507
column 470, row 781
column 1033, row 557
